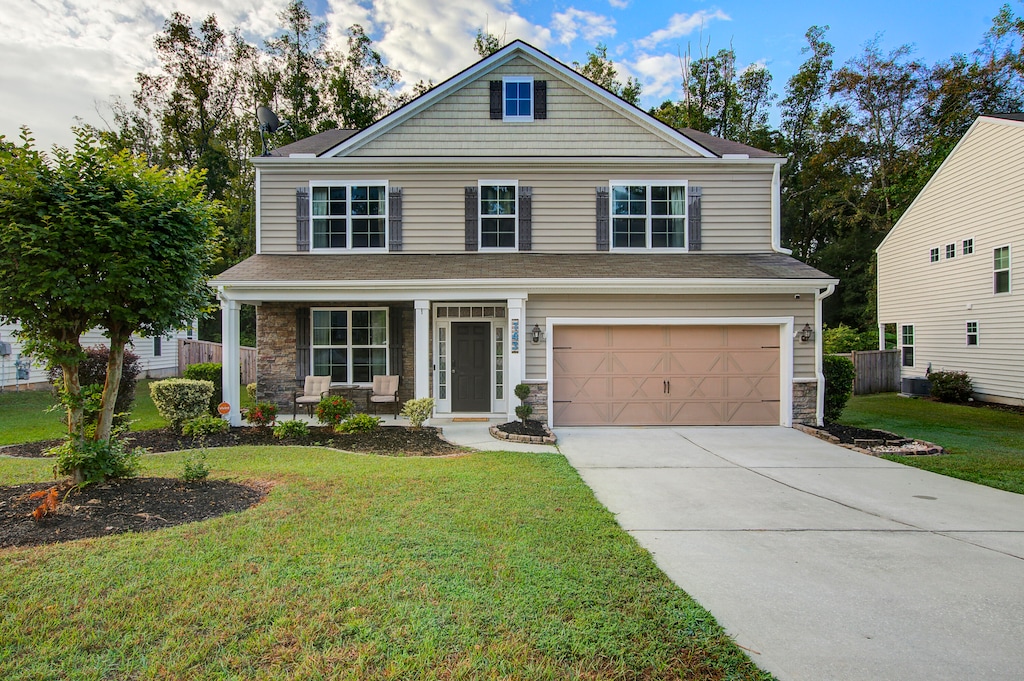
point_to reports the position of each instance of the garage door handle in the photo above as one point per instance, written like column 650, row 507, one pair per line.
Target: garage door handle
column 666, row 387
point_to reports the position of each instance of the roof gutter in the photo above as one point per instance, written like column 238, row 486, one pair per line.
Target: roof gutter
column 777, row 209
column 819, row 370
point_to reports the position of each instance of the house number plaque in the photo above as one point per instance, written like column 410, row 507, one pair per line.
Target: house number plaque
column 515, row 335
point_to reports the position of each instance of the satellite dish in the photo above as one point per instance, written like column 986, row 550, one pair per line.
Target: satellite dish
column 269, row 121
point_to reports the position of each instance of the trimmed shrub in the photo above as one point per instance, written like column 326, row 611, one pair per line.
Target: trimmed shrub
column 524, row 410
column 839, row 374
column 194, row 467
column 250, row 388
column 204, row 425
column 333, row 409
column 212, row 372
column 94, row 461
column 181, row 399
column 93, row 371
column 418, row 410
column 951, row 386
column 291, row 429
column 262, row 415
column 360, row 423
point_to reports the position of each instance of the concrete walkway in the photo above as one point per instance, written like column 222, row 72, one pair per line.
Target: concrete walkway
column 822, row 562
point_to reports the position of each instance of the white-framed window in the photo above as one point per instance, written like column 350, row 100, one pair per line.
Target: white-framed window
column 907, row 344
column 1001, row 269
column 517, row 98
column 499, row 217
column 934, row 255
column 158, row 346
column 350, row 344
column 349, row 215
column 967, row 246
column 950, row 251
column 972, row 333
column 648, row 214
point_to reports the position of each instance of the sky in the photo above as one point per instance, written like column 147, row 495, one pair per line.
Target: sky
column 62, row 59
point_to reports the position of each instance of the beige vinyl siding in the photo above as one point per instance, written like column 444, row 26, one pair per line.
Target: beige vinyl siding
column 540, row 307
column 736, row 202
column 577, row 123
column 975, row 195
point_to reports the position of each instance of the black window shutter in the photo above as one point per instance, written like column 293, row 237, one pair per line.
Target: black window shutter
column 693, row 217
column 472, row 206
column 302, row 343
column 602, row 218
column 395, row 219
column 496, row 100
column 395, row 340
column 540, row 99
column 525, row 218
column 302, row 218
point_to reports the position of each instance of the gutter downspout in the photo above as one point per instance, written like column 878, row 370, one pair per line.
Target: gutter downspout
column 777, row 211
column 819, row 371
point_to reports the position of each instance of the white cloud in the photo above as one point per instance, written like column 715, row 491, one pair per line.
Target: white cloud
column 660, row 76
column 680, row 25
column 574, row 22
column 619, row 4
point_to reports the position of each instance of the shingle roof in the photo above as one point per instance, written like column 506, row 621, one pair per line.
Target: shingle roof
column 1007, row 116
column 316, row 144
column 721, row 146
column 518, row 266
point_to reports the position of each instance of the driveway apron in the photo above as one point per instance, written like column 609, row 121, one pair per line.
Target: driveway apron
column 822, row 562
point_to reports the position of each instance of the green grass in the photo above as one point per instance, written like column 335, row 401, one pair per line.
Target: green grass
column 488, row 566
column 985, row 445
column 24, row 416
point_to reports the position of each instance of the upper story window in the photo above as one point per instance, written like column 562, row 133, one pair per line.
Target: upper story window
column 517, row 98
column 499, row 221
column 950, row 251
column 648, row 214
column 1001, row 269
column 972, row 333
column 349, row 215
column 968, row 246
column 934, row 255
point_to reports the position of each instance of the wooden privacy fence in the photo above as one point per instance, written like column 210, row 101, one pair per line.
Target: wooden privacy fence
column 878, row 371
column 197, row 351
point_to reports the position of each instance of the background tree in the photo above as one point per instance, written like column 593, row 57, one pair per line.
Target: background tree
column 600, row 69
column 299, row 55
column 360, row 87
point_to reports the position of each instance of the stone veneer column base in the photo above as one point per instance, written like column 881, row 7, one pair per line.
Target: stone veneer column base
column 805, row 404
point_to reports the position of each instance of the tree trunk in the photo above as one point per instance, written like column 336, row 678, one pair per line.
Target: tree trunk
column 115, row 363
column 73, row 390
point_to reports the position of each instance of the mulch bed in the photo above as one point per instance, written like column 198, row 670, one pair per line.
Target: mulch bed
column 531, row 428
column 144, row 504
column 851, row 434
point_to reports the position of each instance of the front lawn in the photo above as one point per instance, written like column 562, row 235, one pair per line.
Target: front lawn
column 985, row 445
column 492, row 565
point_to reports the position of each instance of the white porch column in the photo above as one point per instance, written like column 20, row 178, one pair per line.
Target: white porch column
column 422, row 361
column 518, row 339
column 232, row 357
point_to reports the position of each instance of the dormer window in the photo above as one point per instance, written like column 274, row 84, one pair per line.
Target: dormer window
column 517, row 96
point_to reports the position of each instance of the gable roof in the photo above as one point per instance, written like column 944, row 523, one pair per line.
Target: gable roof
column 345, row 142
column 1013, row 123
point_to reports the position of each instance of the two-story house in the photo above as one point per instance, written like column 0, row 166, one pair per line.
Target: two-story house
column 518, row 223
column 945, row 271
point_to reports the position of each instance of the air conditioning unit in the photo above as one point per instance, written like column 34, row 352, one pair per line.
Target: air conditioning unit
column 916, row 387
column 5, row 349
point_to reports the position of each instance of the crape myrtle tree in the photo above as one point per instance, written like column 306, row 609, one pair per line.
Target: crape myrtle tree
column 96, row 237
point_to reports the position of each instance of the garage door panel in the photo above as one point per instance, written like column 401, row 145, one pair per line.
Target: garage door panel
column 666, row 375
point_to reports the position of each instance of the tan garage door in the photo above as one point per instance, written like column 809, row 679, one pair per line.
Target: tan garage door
column 666, row 375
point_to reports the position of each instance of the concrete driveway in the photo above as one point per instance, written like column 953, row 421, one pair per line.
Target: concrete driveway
column 824, row 563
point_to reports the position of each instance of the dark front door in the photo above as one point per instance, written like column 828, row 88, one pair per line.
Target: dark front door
column 471, row 366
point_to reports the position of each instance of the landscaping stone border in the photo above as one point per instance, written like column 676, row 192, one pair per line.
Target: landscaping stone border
column 878, row 447
column 548, row 439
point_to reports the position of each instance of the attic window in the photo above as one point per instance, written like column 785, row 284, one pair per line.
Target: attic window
column 517, row 98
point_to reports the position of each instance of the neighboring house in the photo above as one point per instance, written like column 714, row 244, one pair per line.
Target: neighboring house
column 158, row 357
column 946, row 277
column 518, row 223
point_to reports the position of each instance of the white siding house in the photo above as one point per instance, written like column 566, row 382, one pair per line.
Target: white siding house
column 947, row 272
column 158, row 357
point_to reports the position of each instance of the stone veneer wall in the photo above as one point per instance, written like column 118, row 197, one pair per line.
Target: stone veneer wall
column 805, row 403
column 275, row 352
column 538, row 399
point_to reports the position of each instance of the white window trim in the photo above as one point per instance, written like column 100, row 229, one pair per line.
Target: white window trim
column 349, row 346
column 348, row 184
column 648, row 247
column 974, row 246
column 912, row 346
column 480, row 215
column 504, row 114
column 1008, row 270
column 968, row 334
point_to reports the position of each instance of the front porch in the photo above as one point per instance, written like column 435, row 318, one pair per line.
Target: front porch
column 466, row 354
